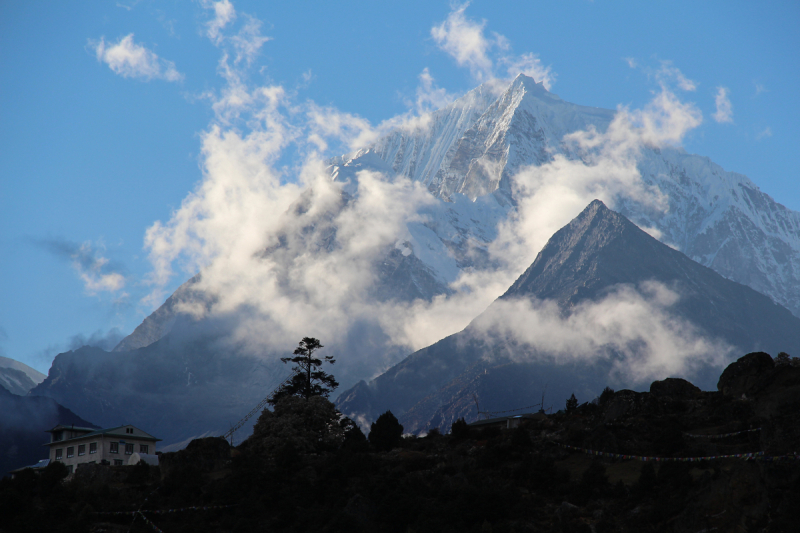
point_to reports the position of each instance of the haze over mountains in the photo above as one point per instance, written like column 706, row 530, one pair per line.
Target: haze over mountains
column 18, row 378
column 409, row 239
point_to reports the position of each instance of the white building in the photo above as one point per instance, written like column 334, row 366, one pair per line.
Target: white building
column 76, row 445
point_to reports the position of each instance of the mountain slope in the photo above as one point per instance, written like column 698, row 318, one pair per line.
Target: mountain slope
column 24, row 420
column 18, row 378
column 718, row 218
column 585, row 261
column 182, row 386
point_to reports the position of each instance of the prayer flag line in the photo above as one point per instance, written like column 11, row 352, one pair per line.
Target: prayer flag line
column 747, row 456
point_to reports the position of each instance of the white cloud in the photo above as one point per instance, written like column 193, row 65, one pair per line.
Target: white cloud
column 224, row 13
column 97, row 272
column 668, row 73
column 634, row 327
column 631, row 62
column 131, row 60
column 724, row 112
column 766, row 132
column 760, row 88
column 465, row 41
column 430, row 96
column 531, row 65
column 550, row 195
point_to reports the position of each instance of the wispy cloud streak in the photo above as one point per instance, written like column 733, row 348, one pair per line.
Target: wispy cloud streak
column 724, row 112
column 131, row 60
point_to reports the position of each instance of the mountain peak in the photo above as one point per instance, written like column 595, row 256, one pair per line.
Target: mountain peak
column 530, row 86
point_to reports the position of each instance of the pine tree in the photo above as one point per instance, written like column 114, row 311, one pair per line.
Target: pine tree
column 572, row 403
column 308, row 379
column 386, row 432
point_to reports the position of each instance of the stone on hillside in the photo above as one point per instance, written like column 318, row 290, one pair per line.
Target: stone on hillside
column 674, row 389
column 743, row 375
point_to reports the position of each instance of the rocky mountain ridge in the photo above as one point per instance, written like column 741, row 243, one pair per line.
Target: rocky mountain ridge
column 582, row 263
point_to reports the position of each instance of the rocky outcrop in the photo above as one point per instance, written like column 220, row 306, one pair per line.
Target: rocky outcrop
column 674, row 389
column 745, row 375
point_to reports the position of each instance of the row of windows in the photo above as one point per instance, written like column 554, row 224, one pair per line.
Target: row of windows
column 143, row 448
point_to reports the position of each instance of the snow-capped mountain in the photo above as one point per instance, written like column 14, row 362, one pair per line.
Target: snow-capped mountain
column 718, row 218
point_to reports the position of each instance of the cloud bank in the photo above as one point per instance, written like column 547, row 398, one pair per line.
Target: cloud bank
column 131, row 60
column 633, row 327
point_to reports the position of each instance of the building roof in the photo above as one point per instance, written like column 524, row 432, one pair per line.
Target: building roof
column 41, row 464
column 111, row 432
column 71, row 428
column 502, row 419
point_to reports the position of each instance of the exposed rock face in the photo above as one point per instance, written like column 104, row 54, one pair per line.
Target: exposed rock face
column 595, row 252
column 601, row 248
column 744, row 376
column 162, row 320
column 674, row 388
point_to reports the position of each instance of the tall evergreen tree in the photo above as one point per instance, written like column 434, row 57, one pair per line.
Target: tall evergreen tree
column 308, row 379
column 386, row 432
column 572, row 403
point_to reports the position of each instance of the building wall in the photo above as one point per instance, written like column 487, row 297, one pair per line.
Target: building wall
column 104, row 447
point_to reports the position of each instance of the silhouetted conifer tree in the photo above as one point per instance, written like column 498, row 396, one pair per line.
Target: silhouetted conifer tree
column 308, row 380
column 572, row 403
column 386, row 432
column 459, row 429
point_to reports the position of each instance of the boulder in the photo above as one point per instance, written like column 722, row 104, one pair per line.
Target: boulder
column 743, row 376
column 674, row 389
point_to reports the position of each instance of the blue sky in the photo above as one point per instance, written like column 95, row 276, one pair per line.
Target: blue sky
column 96, row 151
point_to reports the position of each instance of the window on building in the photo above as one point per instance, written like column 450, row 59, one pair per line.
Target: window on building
column 70, row 451
column 58, row 435
column 129, row 430
column 128, row 449
column 81, row 449
column 117, row 462
column 92, row 447
column 59, row 451
column 144, row 448
column 114, row 447
column 69, row 468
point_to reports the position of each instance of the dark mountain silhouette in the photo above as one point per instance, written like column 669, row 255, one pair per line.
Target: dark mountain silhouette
column 582, row 262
